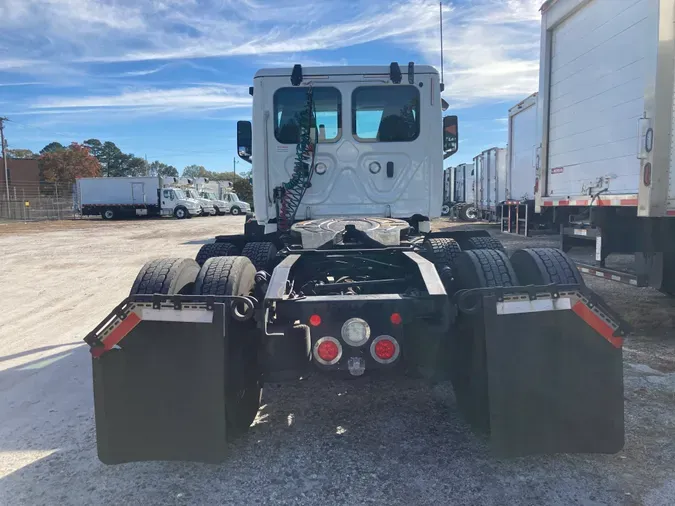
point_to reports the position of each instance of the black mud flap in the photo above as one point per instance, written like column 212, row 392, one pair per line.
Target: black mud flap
column 554, row 369
column 159, row 394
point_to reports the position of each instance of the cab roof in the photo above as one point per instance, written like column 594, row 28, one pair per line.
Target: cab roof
column 345, row 70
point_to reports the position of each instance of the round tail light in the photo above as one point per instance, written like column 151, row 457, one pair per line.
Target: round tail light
column 355, row 332
column 327, row 350
column 385, row 349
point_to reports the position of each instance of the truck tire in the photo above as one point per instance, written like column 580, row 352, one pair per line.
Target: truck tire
column 441, row 250
column 484, row 268
column 483, row 242
column 217, row 211
column 109, row 214
column 166, row 276
column 468, row 213
column 543, row 266
column 235, row 211
column 445, row 210
column 243, row 387
column 181, row 213
column 216, row 249
column 262, row 254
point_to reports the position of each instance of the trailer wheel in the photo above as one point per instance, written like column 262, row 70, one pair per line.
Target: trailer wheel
column 181, row 213
column 543, row 266
column 468, row 213
column 262, row 254
column 484, row 242
column 108, row 214
column 166, row 276
column 216, row 249
column 442, row 250
column 445, row 210
column 483, row 268
column 243, row 388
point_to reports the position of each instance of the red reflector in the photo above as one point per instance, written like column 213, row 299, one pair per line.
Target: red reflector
column 328, row 351
column 385, row 349
column 396, row 318
column 647, row 176
column 315, row 320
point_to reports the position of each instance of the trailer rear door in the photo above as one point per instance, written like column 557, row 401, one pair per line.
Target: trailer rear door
column 598, row 68
column 522, row 142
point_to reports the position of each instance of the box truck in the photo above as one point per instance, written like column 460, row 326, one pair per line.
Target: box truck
column 126, row 197
column 605, row 158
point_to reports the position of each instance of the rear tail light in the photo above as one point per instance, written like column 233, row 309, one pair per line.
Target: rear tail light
column 396, row 318
column 355, row 332
column 385, row 349
column 315, row 320
column 327, row 350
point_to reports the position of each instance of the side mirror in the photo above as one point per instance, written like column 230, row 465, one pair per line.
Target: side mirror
column 244, row 140
column 450, row 136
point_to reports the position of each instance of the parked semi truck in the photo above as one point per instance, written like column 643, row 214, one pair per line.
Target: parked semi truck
column 605, row 141
column 126, row 197
column 490, row 170
column 340, row 274
column 460, row 192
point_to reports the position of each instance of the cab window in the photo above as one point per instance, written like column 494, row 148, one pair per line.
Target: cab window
column 289, row 105
column 168, row 194
column 386, row 113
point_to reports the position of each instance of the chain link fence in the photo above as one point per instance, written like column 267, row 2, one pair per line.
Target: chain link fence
column 39, row 201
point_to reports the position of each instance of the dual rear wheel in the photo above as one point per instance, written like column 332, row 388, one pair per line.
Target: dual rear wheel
column 232, row 275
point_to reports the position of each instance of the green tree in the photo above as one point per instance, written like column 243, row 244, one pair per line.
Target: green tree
column 67, row 165
column 20, row 153
column 52, row 147
column 158, row 168
column 243, row 189
column 195, row 171
column 95, row 147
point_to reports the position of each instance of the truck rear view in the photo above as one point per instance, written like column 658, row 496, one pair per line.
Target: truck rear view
column 312, row 287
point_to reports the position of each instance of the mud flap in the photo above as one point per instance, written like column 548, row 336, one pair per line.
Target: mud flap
column 159, row 394
column 554, row 369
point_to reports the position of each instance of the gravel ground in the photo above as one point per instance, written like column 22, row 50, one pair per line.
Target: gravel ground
column 358, row 442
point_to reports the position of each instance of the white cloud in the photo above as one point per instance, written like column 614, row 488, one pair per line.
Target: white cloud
column 491, row 51
column 212, row 97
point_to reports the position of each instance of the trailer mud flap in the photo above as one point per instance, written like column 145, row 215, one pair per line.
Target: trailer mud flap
column 554, row 371
column 159, row 394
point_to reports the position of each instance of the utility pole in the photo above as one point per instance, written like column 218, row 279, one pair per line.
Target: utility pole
column 4, row 157
column 234, row 166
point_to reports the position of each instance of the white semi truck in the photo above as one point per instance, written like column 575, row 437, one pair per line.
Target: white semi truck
column 339, row 274
column 606, row 157
column 126, row 197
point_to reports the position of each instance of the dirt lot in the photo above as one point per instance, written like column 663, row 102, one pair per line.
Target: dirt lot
column 351, row 442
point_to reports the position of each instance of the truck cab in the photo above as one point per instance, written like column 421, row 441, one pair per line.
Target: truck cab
column 207, row 208
column 378, row 138
column 175, row 202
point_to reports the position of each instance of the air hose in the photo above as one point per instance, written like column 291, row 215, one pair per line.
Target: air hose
column 289, row 195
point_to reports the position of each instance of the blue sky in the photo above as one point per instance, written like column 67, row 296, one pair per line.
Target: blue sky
column 168, row 79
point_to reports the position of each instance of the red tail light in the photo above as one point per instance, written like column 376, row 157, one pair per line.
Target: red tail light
column 396, row 318
column 385, row 349
column 315, row 320
column 327, row 350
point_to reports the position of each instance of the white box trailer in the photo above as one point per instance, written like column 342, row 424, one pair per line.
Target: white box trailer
column 125, row 197
column 605, row 116
column 464, row 188
column 490, row 168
